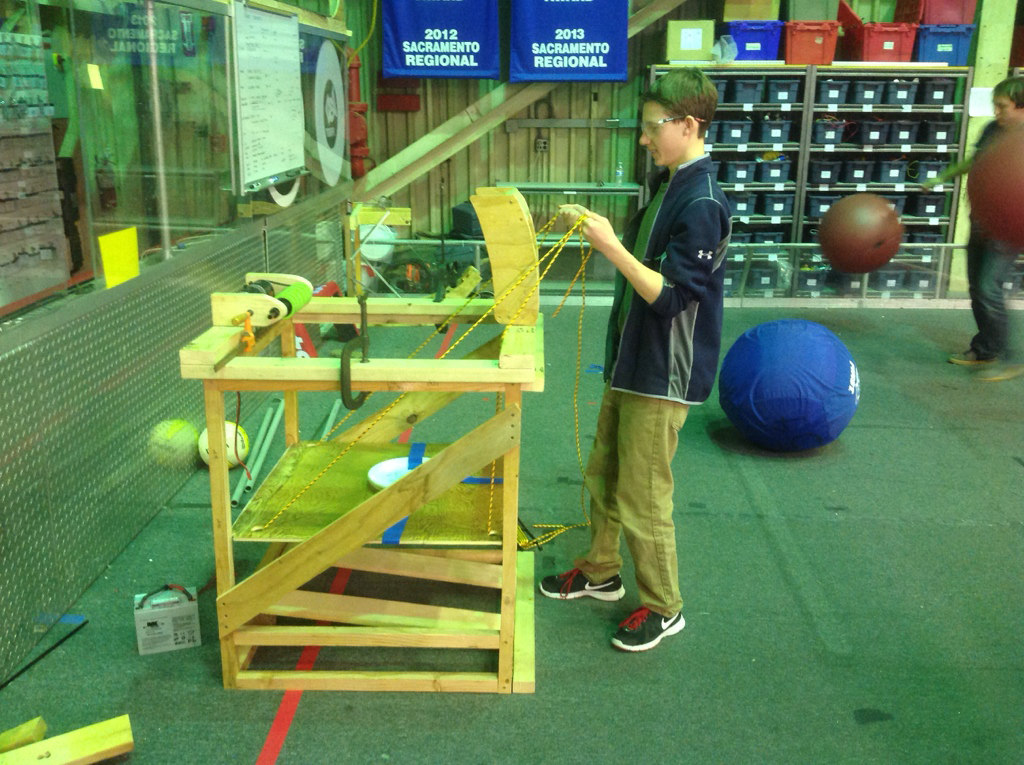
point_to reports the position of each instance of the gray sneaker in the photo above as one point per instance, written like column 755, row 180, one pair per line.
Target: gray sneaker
column 573, row 584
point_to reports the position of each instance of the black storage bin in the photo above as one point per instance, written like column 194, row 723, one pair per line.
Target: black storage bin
column 748, row 91
column 732, row 280
column 777, row 203
column 936, row 91
column 919, row 280
column 828, row 131
column 900, row 92
column 821, row 171
column 832, row 91
column 716, row 168
column 767, row 236
column 891, row 171
column 711, row 133
column 811, row 279
column 858, row 170
column 898, row 202
column 774, row 171
column 866, row 92
column 871, row 133
column 783, row 91
column 741, row 202
column 764, row 276
column 927, row 169
column 818, row 204
column 847, row 284
column 721, row 85
column 926, row 237
column 929, row 205
column 888, row 279
column 773, row 131
column 734, row 131
column 938, row 133
column 903, row 131
column 739, row 171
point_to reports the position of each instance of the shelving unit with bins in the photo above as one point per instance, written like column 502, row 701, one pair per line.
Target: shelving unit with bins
column 826, row 143
column 885, row 131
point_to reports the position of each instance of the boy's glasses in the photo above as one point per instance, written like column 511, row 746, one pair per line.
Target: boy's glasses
column 650, row 129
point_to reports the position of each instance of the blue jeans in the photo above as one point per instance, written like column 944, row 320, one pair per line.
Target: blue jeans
column 629, row 478
column 989, row 264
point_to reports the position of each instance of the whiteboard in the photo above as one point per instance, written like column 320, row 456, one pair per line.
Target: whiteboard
column 269, row 89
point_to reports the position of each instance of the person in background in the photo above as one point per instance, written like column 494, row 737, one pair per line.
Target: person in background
column 990, row 262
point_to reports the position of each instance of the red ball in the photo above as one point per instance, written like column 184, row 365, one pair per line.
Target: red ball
column 995, row 187
column 860, row 233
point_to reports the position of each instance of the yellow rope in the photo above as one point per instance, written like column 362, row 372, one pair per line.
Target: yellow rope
column 551, row 256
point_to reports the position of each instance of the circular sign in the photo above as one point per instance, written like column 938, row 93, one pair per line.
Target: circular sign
column 329, row 112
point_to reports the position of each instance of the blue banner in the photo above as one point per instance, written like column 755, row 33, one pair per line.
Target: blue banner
column 569, row 40
column 440, row 38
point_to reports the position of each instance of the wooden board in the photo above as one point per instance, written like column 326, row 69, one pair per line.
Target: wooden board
column 26, row 733
column 459, row 517
column 93, row 743
column 512, row 249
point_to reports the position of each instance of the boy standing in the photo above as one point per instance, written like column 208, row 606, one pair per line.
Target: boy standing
column 664, row 338
column 989, row 262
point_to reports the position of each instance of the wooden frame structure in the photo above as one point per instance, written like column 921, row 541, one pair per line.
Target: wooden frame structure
column 330, row 523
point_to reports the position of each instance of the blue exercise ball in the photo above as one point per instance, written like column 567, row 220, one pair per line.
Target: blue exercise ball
column 789, row 385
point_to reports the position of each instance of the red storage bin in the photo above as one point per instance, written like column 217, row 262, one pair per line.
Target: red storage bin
column 875, row 41
column 811, row 42
column 1017, row 51
column 936, row 11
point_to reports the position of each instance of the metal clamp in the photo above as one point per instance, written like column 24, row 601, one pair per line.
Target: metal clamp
column 362, row 341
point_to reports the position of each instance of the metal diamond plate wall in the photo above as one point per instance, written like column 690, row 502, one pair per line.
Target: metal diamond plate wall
column 309, row 240
column 83, row 387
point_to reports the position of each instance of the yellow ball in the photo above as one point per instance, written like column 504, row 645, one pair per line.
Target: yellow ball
column 173, row 443
column 237, row 444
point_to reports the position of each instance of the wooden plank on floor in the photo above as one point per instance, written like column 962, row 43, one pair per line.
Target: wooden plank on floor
column 464, row 682
column 93, row 743
column 376, row 612
column 392, row 637
column 524, row 670
column 21, row 735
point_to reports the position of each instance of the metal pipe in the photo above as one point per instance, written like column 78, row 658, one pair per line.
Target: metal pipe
column 330, row 419
column 257, row 466
column 158, row 134
column 254, row 449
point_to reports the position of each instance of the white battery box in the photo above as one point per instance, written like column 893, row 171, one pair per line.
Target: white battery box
column 167, row 620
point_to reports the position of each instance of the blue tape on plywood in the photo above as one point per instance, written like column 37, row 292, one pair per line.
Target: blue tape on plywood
column 393, row 534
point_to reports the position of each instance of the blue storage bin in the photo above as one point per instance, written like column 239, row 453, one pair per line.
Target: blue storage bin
column 767, row 236
column 832, row 91
column 828, row 131
column 763, row 278
column 740, row 171
column 774, row 171
column 821, row 171
column 947, row 43
column 734, row 131
column 783, row 91
column 926, row 237
column 746, row 90
column 903, row 131
column 716, row 168
column 773, row 131
column 920, row 281
column 847, row 284
column 732, row 280
column 756, row 40
column 811, row 279
column 711, row 133
column 858, row 170
column 866, row 92
column 777, row 203
column 721, row 84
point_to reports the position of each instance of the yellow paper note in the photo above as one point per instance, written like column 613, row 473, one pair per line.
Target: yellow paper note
column 120, row 254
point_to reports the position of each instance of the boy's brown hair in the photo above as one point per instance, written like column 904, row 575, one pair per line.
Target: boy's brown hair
column 1011, row 88
column 685, row 93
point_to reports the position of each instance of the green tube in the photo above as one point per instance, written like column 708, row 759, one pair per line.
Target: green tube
column 295, row 296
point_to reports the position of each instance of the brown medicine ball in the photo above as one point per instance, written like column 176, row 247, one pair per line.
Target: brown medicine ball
column 995, row 186
column 860, row 233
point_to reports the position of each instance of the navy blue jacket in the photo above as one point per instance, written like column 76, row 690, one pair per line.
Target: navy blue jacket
column 670, row 348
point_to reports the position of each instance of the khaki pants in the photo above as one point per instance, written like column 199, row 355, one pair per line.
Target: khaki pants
column 629, row 477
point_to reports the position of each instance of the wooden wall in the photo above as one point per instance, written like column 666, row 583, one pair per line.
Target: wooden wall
column 574, row 154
